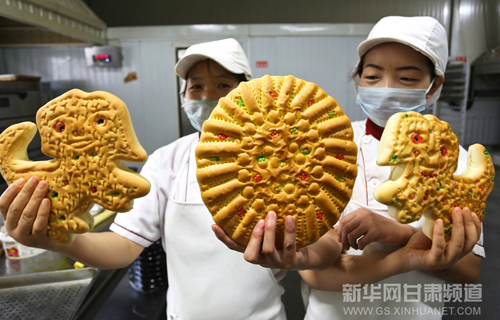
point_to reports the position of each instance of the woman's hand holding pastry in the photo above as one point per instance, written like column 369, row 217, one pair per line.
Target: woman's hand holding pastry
column 25, row 210
column 421, row 253
column 261, row 247
column 362, row 227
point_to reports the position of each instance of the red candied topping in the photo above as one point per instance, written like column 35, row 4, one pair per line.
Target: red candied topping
column 303, row 176
column 66, row 182
column 310, row 102
column 456, row 205
column 241, row 212
column 94, row 189
column 60, row 127
column 445, row 202
column 416, row 153
column 319, row 215
column 275, row 134
column 412, row 197
column 273, row 94
column 441, row 166
column 426, row 197
column 257, row 178
column 481, row 188
column 416, row 138
column 456, row 185
column 429, row 175
column 444, row 151
column 339, row 156
column 222, row 136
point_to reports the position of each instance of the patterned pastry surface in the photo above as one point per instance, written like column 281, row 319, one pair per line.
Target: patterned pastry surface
column 88, row 135
column 423, row 151
column 282, row 144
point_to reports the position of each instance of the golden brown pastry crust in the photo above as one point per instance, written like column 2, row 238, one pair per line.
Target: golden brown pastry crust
column 88, row 135
column 424, row 154
column 282, row 144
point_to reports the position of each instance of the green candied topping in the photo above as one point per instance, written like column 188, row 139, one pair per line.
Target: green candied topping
column 294, row 130
column 394, row 159
column 486, row 152
column 76, row 157
column 339, row 178
column 484, row 212
column 54, row 195
column 261, row 158
column 93, row 154
column 447, row 230
column 215, row 158
column 470, row 194
column 240, row 102
column 410, row 219
column 305, row 151
column 493, row 178
column 61, row 219
column 405, row 119
column 282, row 163
column 439, row 187
column 116, row 193
column 331, row 114
column 427, row 121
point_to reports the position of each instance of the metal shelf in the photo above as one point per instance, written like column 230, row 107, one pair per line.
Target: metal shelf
column 452, row 104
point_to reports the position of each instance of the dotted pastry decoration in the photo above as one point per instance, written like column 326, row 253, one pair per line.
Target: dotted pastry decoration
column 88, row 135
column 424, row 154
column 282, row 144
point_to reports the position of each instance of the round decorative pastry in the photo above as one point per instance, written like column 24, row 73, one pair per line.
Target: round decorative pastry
column 282, row 144
column 423, row 151
column 88, row 135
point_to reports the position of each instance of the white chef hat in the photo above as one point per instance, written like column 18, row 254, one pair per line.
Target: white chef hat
column 424, row 34
column 227, row 52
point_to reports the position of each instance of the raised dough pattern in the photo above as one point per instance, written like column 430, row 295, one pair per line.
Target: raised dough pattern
column 277, row 143
column 88, row 135
column 423, row 151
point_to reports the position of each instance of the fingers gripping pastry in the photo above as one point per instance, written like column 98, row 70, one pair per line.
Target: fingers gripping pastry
column 88, row 135
column 281, row 144
column 424, row 154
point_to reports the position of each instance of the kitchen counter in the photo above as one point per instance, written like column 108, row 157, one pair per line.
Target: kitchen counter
column 110, row 295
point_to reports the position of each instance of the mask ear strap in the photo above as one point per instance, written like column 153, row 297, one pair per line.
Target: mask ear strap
column 430, row 87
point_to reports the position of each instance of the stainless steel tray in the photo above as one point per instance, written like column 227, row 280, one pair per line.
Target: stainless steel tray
column 46, row 295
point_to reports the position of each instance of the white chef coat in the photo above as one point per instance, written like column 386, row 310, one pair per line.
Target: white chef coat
column 206, row 279
column 329, row 305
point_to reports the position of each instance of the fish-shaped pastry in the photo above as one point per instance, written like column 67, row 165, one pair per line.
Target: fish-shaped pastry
column 89, row 136
column 423, row 152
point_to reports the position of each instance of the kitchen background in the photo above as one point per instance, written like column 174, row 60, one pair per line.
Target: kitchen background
column 314, row 40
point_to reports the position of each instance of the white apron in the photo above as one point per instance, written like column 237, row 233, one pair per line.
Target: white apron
column 206, row 279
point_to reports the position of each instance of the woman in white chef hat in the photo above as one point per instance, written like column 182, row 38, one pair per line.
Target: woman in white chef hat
column 227, row 64
column 206, row 280
column 401, row 68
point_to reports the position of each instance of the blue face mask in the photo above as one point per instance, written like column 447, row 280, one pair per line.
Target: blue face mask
column 198, row 111
column 379, row 104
